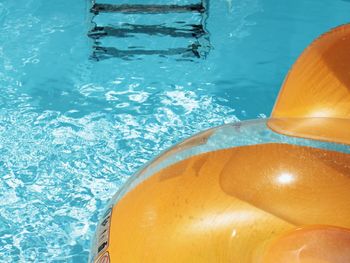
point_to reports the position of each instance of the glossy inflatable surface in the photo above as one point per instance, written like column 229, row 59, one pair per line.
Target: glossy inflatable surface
column 316, row 244
column 224, row 195
column 222, row 206
column 318, row 86
column 267, row 191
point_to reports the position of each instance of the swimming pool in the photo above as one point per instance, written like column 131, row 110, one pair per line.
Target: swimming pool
column 73, row 128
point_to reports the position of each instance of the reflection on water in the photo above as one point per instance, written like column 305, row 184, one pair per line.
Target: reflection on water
column 194, row 38
column 150, row 8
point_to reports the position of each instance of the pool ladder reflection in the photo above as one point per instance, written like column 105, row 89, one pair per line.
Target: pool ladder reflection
column 119, row 30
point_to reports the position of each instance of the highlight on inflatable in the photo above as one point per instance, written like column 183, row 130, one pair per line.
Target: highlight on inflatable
column 264, row 191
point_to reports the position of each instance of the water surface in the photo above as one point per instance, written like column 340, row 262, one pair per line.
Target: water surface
column 74, row 125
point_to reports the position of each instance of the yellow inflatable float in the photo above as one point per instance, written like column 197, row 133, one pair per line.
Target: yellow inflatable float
column 265, row 191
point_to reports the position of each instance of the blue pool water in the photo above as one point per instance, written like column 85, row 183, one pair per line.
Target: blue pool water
column 75, row 123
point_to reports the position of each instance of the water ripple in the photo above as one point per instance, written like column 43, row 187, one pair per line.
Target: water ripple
column 73, row 130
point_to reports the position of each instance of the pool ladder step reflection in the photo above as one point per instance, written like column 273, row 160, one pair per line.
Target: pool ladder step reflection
column 131, row 31
column 149, row 9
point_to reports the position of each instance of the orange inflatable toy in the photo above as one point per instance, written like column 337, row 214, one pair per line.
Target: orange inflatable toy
column 264, row 191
